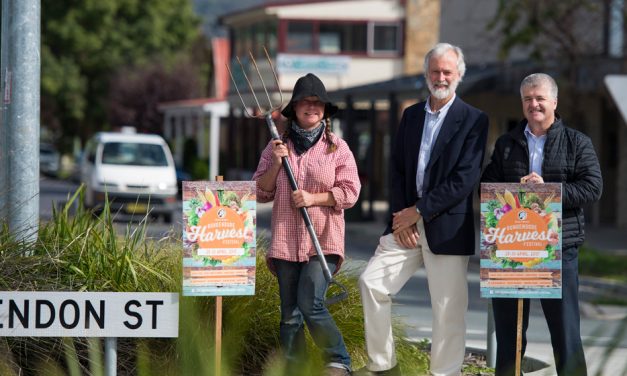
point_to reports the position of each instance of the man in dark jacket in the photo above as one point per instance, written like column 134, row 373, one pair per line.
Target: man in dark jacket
column 542, row 149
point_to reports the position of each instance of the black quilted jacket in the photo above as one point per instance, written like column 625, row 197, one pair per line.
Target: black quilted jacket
column 569, row 158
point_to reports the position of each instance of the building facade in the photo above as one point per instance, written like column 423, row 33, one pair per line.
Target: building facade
column 369, row 54
column 345, row 42
column 581, row 69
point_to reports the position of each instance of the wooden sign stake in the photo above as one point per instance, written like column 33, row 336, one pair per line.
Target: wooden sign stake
column 519, row 336
column 218, row 335
column 219, row 324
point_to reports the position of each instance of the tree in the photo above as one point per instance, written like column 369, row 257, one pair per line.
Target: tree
column 559, row 34
column 551, row 29
column 135, row 93
column 85, row 42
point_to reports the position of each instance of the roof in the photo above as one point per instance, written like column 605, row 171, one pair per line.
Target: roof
column 382, row 10
column 189, row 103
column 208, row 105
column 269, row 4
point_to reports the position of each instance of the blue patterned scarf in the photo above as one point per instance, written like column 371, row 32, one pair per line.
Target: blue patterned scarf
column 304, row 139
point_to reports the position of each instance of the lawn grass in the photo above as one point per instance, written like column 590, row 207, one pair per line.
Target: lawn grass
column 594, row 263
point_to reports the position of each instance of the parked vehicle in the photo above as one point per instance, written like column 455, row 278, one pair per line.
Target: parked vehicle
column 135, row 172
column 49, row 160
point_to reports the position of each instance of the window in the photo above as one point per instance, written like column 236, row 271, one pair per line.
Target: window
column 259, row 39
column 133, row 154
column 300, row 37
column 337, row 38
column 242, row 41
column 386, row 38
column 236, row 42
column 330, row 39
column 271, row 38
column 342, row 37
column 253, row 38
column 357, row 38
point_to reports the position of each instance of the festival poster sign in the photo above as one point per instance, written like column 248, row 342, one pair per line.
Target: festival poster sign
column 219, row 246
column 521, row 240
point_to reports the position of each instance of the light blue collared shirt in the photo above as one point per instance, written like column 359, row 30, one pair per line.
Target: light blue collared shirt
column 536, row 150
column 432, row 126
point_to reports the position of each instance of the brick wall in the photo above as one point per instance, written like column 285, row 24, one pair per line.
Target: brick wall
column 421, row 32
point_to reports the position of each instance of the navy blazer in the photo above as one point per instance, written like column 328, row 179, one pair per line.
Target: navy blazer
column 451, row 175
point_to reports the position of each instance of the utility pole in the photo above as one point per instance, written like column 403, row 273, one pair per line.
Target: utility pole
column 4, row 135
column 20, row 72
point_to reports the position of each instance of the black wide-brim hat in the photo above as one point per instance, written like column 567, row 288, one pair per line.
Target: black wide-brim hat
column 309, row 86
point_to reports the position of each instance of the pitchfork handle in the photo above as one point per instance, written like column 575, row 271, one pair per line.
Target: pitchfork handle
column 303, row 210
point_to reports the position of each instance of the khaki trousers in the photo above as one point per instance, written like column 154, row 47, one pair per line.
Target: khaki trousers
column 386, row 273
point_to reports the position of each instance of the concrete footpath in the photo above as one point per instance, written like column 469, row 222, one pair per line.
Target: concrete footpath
column 604, row 328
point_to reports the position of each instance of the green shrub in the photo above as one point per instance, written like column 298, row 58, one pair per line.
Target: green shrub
column 190, row 153
column 598, row 264
column 78, row 251
column 200, row 169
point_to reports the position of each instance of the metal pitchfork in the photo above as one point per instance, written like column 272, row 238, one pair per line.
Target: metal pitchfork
column 267, row 115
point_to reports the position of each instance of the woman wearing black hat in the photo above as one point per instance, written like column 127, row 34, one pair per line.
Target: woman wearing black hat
column 325, row 171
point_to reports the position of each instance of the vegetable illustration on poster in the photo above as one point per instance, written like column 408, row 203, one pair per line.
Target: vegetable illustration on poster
column 521, row 233
column 219, row 246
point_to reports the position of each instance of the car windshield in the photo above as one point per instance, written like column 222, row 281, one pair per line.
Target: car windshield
column 47, row 150
column 133, row 154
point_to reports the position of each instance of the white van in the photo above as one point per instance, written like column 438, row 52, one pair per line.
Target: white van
column 134, row 171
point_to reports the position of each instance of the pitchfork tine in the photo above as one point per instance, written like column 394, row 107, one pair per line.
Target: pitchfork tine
column 252, row 58
column 250, row 85
column 276, row 79
column 238, row 93
column 272, row 108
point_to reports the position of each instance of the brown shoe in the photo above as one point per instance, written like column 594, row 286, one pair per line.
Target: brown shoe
column 394, row 371
column 334, row 371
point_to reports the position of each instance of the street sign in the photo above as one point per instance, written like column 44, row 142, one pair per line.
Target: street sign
column 88, row 314
column 290, row 63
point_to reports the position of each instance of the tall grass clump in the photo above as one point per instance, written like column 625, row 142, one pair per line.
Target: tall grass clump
column 79, row 251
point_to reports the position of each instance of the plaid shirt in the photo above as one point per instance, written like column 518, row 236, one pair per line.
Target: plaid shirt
column 315, row 171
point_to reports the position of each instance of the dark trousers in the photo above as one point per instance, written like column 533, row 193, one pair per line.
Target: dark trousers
column 562, row 318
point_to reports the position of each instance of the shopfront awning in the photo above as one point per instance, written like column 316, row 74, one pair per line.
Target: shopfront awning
column 617, row 86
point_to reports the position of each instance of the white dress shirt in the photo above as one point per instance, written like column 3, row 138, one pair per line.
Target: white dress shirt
column 430, row 132
column 535, row 144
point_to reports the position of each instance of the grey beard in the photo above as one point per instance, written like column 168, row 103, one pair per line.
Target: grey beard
column 442, row 93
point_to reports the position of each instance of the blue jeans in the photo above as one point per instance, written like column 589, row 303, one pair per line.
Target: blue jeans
column 302, row 288
column 562, row 318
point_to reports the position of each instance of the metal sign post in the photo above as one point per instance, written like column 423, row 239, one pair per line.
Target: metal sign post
column 111, row 356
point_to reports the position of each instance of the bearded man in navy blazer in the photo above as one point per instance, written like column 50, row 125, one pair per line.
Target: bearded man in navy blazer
column 436, row 166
